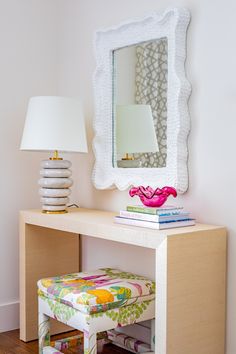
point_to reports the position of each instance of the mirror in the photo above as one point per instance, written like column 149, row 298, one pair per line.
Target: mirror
column 141, row 92
column 140, row 77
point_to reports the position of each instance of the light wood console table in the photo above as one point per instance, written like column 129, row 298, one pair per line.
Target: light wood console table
column 190, row 273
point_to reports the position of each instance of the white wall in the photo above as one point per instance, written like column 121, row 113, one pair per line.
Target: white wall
column 28, row 67
column 211, row 70
column 46, row 48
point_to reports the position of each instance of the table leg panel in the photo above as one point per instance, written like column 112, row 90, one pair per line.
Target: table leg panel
column 43, row 253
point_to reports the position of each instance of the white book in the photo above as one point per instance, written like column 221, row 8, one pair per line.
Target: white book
column 155, row 225
column 155, row 218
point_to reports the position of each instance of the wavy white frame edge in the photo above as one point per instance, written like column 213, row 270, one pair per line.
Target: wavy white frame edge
column 173, row 24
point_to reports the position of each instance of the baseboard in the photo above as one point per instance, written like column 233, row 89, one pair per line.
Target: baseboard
column 9, row 316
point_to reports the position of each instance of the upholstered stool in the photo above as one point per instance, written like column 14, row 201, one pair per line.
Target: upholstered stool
column 93, row 302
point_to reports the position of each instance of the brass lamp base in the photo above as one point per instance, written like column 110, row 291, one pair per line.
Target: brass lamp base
column 55, row 156
column 54, row 211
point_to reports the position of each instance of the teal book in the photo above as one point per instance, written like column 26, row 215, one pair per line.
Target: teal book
column 165, row 210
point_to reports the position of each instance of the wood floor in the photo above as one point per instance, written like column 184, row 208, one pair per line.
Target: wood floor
column 10, row 344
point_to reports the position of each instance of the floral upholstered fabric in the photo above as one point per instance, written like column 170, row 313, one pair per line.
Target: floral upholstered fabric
column 98, row 291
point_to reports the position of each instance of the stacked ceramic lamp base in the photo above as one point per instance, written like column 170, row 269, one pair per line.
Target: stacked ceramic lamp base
column 54, row 124
column 55, row 183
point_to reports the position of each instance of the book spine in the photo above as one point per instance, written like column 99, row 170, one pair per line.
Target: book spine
column 138, row 216
column 144, row 210
column 154, row 218
column 134, row 222
column 174, row 224
column 155, row 225
column 154, row 211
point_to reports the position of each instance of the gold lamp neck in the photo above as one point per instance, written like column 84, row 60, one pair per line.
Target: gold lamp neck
column 127, row 157
column 55, row 156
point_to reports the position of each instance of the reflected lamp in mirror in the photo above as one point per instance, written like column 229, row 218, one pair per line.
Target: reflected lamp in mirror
column 54, row 124
column 135, row 133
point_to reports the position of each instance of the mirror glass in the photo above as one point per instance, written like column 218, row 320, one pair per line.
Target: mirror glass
column 140, row 79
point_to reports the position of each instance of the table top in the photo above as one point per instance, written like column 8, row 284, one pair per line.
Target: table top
column 100, row 224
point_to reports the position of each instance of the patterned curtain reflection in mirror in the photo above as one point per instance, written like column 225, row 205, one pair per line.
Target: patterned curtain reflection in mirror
column 151, row 80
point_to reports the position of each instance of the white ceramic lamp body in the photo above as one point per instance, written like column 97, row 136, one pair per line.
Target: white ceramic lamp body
column 55, row 185
column 54, row 124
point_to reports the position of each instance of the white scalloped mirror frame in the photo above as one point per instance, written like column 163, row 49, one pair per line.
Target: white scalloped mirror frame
column 172, row 24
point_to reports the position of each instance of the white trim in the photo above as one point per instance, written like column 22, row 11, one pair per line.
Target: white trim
column 171, row 24
column 9, row 316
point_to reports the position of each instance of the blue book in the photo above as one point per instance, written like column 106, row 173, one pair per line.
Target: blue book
column 155, row 225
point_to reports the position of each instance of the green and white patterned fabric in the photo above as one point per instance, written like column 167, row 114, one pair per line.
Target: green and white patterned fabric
column 98, row 291
column 93, row 302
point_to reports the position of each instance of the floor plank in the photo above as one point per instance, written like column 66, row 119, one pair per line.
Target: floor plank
column 11, row 344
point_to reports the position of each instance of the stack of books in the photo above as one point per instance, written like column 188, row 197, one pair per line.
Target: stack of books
column 165, row 217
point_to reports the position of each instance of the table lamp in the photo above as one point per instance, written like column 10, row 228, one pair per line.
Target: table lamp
column 135, row 133
column 54, row 124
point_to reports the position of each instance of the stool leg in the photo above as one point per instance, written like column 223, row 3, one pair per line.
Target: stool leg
column 153, row 335
column 44, row 331
column 90, row 342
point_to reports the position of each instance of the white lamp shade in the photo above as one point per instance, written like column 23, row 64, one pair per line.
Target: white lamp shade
column 54, row 123
column 135, row 131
